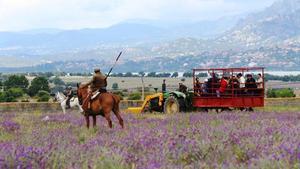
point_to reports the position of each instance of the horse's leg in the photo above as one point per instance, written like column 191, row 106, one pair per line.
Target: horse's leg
column 87, row 119
column 76, row 103
column 94, row 121
column 107, row 117
column 117, row 113
column 80, row 108
column 64, row 109
column 121, row 122
column 63, row 106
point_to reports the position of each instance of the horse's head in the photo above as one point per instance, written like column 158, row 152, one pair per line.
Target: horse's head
column 59, row 96
column 82, row 93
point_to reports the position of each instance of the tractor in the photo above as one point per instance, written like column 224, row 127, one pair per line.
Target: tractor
column 167, row 102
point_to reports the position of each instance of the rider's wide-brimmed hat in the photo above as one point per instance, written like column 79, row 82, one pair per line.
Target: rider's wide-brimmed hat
column 97, row 70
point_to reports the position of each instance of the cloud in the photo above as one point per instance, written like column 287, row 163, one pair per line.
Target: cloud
column 74, row 14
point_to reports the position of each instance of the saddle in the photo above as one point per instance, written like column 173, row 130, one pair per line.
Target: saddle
column 97, row 93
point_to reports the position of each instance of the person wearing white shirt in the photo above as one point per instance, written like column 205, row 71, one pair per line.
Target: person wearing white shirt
column 260, row 81
column 241, row 80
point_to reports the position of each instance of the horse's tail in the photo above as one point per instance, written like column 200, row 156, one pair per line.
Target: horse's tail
column 116, row 98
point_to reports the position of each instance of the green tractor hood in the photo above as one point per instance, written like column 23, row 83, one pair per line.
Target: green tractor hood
column 174, row 93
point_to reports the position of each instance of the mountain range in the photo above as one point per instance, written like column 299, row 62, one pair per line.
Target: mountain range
column 269, row 38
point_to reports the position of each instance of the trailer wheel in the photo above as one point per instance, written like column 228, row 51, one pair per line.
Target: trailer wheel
column 171, row 105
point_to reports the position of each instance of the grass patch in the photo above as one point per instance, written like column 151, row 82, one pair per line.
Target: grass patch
column 280, row 108
column 5, row 136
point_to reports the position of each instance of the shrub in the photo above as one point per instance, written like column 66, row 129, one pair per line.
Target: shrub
column 11, row 95
column 115, row 86
column 135, row 96
column 2, row 97
column 119, row 93
column 15, row 92
column 280, row 93
column 43, row 96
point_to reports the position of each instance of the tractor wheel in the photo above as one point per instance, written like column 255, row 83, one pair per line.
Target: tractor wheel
column 171, row 105
column 182, row 104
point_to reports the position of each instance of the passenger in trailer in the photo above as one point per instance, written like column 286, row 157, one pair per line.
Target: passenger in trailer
column 223, row 86
column 260, row 81
column 251, row 87
column 242, row 82
column 234, row 84
column 197, row 87
column 204, row 87
column 213, row 84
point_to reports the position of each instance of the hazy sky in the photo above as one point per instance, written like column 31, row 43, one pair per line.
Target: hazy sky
column 74, row 14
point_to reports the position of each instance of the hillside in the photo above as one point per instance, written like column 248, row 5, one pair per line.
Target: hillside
column 270, row 38
column 276, row 25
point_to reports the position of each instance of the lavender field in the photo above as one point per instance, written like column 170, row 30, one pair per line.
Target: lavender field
column 226, row 140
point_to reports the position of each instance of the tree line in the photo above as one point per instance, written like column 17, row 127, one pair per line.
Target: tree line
column 18, row 87
column 286, row 78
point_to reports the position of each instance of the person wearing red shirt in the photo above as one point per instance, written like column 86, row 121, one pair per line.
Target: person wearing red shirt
column 223, row 86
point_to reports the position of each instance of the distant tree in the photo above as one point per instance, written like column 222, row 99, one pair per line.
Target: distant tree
column 114, row 75
column 115, row 86
column 175, row 74
column 48, row 74
column 120, row 75
column 163, row 75
column 286, row 78
column 57, row 81
column 187, row 74
column 37, row 84
column 142, row 74
column 128, row 74
column 16, row 81
column 152, row 74
column 183, row 79
column 56, row 89
column 72, row 84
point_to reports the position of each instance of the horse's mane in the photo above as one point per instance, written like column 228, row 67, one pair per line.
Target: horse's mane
column 82, row 86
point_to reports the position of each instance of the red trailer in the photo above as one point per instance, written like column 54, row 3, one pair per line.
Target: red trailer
column 239, row 93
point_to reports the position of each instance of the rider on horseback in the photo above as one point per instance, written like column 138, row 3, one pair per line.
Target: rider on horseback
column 69, row 94
column 98, row 83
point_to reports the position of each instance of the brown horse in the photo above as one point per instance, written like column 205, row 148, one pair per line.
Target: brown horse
column 103, row 104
